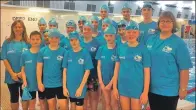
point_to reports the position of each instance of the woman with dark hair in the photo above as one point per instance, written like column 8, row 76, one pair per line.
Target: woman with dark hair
column 12, row 49
column 170, row 65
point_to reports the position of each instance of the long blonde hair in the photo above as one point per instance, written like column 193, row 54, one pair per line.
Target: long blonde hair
column 24, row 33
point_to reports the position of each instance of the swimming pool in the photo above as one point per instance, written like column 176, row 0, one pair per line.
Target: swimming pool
column 191, row 84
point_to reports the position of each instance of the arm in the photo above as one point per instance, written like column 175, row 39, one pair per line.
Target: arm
column 84, row 80
column 39, row 73
column 146, row 80
column 23, row 75
column 99, row 72
column 115, row 77
column 184, row 78
column 65, row 78
column 8, row 67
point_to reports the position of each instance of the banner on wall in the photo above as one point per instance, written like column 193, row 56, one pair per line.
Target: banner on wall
column 24, row 18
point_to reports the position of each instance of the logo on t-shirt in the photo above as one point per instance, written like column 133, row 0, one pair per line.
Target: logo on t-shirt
column 93, row 49
column 10, row 51
column 122, row 57
column 167, row 49
column 113, row 57
column 24, row 49
column 103, row 57
column 46, row 57
column 30, row 61
column 149, row 46
column 81, row 61
column 137, row 58
column 151, row 31
column 59, row 58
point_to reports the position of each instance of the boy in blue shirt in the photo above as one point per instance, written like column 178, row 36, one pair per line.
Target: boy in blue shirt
column 82, row 20
column 92, row 46
column 77, row 64
column 97, row 34
column 42, row 27
column 147, row 26
column 106, row 60
column 28, row 63
column 121, row 38
column 132, row 71
column 49, row 67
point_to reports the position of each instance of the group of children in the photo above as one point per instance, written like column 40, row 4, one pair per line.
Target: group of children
column 103, row 59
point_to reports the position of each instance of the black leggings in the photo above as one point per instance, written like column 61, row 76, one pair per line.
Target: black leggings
column 14, row 92
column 159, row 102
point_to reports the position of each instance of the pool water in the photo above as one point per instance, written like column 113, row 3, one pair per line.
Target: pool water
column 191, row 46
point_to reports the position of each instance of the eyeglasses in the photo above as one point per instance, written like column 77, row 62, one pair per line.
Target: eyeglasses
column 121, row 26
column 168, row 21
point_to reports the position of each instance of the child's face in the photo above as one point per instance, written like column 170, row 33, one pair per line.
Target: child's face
column 35, row 40
column 46, row 37
column 52, row 26
column 110, row 38
column 74, row 43
column 87, row 31
column 95, row 24
column 42, row 27
column 132, row 35
column 70, row 29
column 54, row 41
column 121, row 31
column 80, row 25
column 104, row 26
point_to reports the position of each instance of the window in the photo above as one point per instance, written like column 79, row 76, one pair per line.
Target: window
column 179, row 15
column 40, row 3
column 111, row 9
column 138, row 11
column 193, row 16
column 91, row 7
column 47, row 4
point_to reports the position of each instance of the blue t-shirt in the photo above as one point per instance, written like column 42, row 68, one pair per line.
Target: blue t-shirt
column 100, row 38
column 76, row 64
column 92, row 47
column 29, row 61
column 52, row 69
column 146, row 29
column 12, row 52
column 65, row 43
column 168, row 57
column 132, row 60
column 119, row 41
column 107, row 58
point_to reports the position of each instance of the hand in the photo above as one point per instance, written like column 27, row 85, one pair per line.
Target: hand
column 66, row 92
column 115, row 93
column 24, row 84
column 19, row 75
column 109, row 86
column 78, row 92
column 41, row 87
column 182, row 94
column 15, row 77
column 144, row 98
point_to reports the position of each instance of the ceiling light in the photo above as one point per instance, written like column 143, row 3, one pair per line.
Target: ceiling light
column 112, row 2
column 140, row 3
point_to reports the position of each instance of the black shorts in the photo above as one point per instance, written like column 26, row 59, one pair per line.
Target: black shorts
column 159, row 102
column 14, row 92
column 41, row 95
column 54, row 92
column 92, row 84
column 79, row 102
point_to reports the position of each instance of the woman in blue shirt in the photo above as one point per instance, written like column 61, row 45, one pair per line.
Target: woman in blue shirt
column 170, row 65
column 12, row 49
column 132, row 71
column 49, row 66
column 106, row 60
column 77, row 64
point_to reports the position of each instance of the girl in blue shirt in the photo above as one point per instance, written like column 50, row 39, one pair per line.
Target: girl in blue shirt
column 42, row 27
column 49, row 67
column 170, row 65
column 77, row 64
column 106, row 60
column 121, row 38
column 92, row 46
column 132, row 71
column 28, row 63
column 12, row 49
